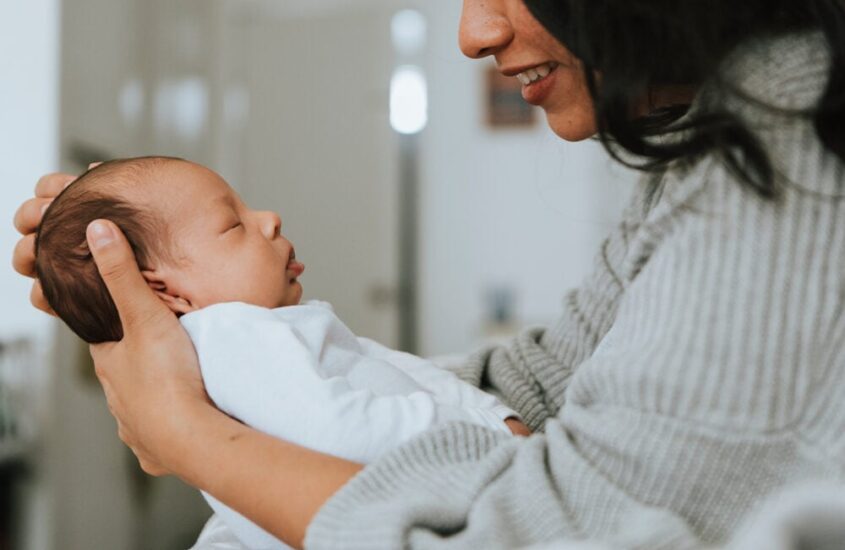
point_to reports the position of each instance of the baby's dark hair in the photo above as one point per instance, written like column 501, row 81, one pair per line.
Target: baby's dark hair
column 64, row 265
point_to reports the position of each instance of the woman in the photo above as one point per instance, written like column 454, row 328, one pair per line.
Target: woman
column 698, row 369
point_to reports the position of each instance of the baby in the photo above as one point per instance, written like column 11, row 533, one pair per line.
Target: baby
column 292, row 370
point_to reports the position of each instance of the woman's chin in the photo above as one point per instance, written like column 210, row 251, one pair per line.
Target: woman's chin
column 572, row 127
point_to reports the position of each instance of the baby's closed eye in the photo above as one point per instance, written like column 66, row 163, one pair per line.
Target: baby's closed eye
column 234, row 226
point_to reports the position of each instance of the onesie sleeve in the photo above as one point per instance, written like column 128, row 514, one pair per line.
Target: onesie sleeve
column 445, row 385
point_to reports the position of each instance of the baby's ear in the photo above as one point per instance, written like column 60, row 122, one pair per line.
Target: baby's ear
column 177, row 304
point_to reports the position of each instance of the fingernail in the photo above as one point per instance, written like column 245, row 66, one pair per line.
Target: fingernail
column 100, row 234
column 68, row 183
column 44, row 209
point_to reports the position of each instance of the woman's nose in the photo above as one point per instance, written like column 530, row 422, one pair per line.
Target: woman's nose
column 271, row 224
column 485, row 28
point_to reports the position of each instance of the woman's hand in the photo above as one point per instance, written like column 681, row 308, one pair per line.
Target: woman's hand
column 517, row 427
column 27, row 219
column 154, row 389
column 151, row 378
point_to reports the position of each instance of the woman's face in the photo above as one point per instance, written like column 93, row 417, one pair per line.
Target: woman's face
column 524, row 49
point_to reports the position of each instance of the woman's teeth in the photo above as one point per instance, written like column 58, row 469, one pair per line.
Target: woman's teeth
column 537, row 73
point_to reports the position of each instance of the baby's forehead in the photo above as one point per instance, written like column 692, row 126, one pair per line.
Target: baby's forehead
column 176, row 184
column 187, row 197
column 178, row 193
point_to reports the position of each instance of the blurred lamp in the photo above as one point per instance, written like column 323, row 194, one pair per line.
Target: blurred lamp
column 408, row 100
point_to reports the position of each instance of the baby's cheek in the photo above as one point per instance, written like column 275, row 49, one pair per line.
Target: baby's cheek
column 231, row 283
column 269, row 290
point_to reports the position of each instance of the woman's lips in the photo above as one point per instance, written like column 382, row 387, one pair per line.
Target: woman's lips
column 537, row 92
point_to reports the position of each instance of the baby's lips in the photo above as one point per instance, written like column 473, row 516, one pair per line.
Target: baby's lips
column 297, row 268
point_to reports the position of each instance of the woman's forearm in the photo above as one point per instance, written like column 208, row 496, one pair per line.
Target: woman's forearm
column 278, row 485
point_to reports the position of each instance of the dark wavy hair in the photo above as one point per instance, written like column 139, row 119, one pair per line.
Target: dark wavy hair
column 624, row 41
column 65, row 267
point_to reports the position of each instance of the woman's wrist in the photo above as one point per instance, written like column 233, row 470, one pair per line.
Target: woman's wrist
column 256, row 474
column 203, row 429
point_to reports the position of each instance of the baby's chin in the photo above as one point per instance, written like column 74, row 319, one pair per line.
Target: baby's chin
column 293, row 296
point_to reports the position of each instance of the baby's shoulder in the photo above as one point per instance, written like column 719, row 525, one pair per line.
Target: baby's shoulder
column 226, row 314
column 305, row 310
column 317, row 304
column 313, row 317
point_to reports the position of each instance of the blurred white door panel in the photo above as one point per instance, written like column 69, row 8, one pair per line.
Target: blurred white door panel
column 305, row 132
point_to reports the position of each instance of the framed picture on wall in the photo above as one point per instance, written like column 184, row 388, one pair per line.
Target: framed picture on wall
column 505, row 106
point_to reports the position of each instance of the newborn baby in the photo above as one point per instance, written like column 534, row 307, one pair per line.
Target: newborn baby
column 292, row 370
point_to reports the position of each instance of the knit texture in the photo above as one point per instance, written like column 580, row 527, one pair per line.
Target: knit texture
column 698, row 369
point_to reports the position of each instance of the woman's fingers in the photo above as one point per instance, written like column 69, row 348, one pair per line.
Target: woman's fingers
column 36, row 296
column 517, row 427
column 29, row 215
column 27, row 218
column 151, row 468
column 49, row 186
column 23, row 258
column 151, row 378
column 136, row 303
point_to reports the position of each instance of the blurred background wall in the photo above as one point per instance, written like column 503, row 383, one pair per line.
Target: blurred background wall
column 461, row 233
column 29, row 121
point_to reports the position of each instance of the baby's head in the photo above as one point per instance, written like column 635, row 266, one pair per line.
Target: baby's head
column 196, row 242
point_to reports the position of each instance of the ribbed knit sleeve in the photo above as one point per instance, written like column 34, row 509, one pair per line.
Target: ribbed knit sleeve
column 700, row 369
column 531, row 372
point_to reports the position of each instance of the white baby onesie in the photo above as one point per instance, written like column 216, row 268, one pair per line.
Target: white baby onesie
column 298, row 373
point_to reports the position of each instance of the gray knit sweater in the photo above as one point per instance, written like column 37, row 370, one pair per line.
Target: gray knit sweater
column 698, row 369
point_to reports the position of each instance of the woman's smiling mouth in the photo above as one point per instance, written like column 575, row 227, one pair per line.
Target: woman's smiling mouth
column 536, row 74
column 537, row 82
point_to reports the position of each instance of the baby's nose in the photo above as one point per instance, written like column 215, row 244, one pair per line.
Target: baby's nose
column 272, row 224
